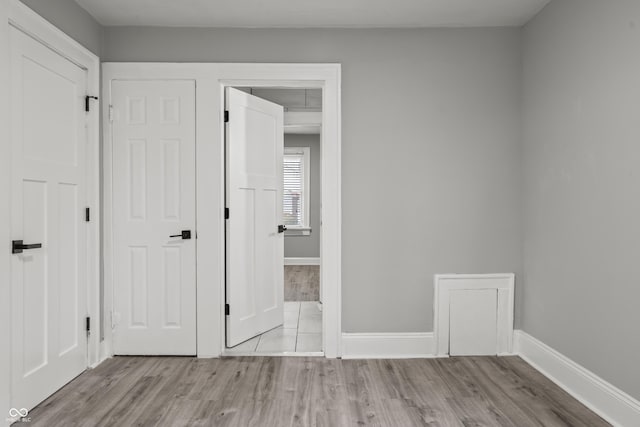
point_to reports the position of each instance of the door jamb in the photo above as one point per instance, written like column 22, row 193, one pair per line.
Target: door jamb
column 20, row 16
column 211, row 79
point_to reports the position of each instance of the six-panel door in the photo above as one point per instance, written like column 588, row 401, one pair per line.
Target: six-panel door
column 153, row 203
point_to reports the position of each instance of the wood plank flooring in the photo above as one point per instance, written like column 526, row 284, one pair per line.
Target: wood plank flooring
column 279, row 391
column 301, row 283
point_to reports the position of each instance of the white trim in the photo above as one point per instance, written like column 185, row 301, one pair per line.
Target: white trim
column 211, row 80
column 107, row 219
column 301, row 261
column 297, row 231
column 302, row 129
column 302, row 118
column 503, row 283
column 32, row 24
column 228, row 353
column 387, row 345
column 29, row 22
column 603, row 398
column 302, row 122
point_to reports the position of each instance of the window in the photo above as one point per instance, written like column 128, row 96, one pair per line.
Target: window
column 296, row 187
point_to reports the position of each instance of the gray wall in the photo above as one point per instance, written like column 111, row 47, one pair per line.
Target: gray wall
column 307, row 246
column 72, row 19
column 582, row 184
column 430, row 157
column 431, row 162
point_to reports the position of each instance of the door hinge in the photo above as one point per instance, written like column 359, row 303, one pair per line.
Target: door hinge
column 88, row 325
column 226, row 309
column 111, row 113
column 87, row 102
column 226, row 116
column 226, row 213
column 87, row 214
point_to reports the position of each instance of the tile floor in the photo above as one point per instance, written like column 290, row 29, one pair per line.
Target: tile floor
column 300, row 333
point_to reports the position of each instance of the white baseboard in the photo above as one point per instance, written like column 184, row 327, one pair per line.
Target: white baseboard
column 98, row 362
column 302, row 261
column 387, row 345
column 611, row 403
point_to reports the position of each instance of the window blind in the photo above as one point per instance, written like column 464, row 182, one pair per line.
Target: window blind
column 293, row 194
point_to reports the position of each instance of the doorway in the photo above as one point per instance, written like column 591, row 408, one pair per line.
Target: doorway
column 296, row 327
column 211, row 81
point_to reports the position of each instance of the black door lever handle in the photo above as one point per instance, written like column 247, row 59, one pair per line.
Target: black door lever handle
column 17, row 246
column 185, row 235
column 282, row 228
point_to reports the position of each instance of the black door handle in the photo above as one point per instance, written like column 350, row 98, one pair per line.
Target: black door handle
column 185, row 235
column 17, row 246
column 282, row 228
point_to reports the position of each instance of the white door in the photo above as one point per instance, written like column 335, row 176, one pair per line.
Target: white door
column 154, row 217
column 48, row 283
column 254, row 244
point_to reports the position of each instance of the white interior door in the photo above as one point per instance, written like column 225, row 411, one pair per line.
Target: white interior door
column 254, row 245
column 154, row 201
column 48, row 283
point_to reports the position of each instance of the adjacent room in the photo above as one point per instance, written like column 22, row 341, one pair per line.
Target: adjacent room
column 338, row 213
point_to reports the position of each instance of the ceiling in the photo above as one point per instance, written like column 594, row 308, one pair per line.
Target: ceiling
column 314, row 13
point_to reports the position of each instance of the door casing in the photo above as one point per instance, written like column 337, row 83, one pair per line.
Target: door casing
column 211, row 81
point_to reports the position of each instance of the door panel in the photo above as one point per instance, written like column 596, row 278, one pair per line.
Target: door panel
column 68, row 225
column 472, row 322
column 139, row 287
column 172, row 287
column 254, row 248
column 35, row 281
column 49, row 346
column 153, row 199
column 270, row 264
column 171, row 179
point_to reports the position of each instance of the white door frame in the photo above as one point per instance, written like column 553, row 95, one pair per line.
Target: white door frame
column 211, row 79
column 14, row 13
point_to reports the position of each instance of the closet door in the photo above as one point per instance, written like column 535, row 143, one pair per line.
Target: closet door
column 154, row 217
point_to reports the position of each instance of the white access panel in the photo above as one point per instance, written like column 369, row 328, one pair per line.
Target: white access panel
column 472, row 322
column 465, row 305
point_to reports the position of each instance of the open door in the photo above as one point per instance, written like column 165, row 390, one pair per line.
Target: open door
column 254, row 230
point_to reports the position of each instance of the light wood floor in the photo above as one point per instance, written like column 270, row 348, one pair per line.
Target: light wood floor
column 301, row 283
column 268, row 391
